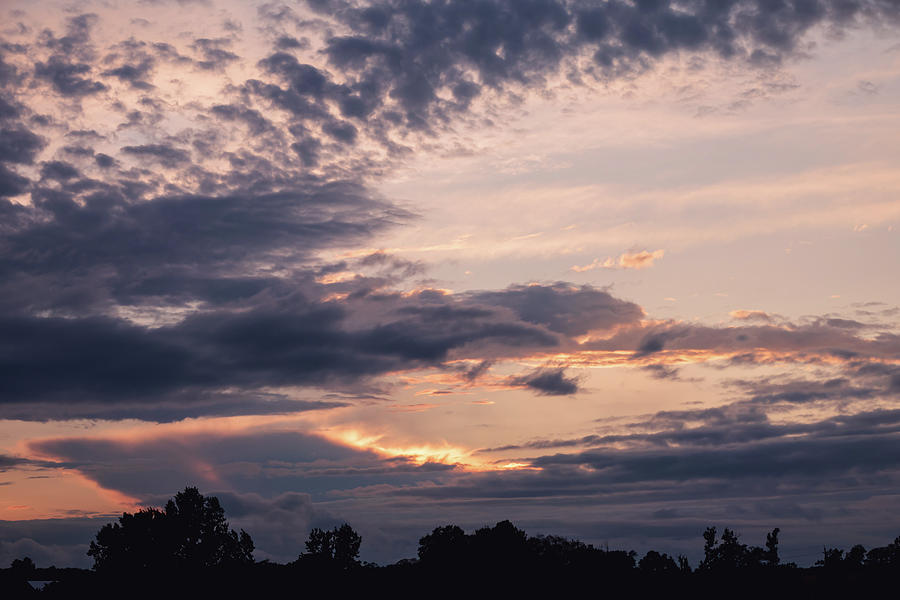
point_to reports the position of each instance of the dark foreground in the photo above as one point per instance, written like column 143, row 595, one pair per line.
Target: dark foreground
column 266, row 580
column 187, row 550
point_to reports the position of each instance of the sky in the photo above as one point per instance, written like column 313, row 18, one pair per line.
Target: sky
column 614, row 270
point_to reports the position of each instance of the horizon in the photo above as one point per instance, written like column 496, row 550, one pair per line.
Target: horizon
column 611, row 270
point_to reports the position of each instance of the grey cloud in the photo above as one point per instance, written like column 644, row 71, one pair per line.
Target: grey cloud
column 77, row 41
column 104, row 161
column 818, row 338
column 418, row 49
column 214, row 53
column 11, row 183
column 167, row 155
column 278, row 525
column 49, row 542
column 769, row 460
column 560, row 307
column 8, row 110
column 100, row 360
column 184, row 406
column 548, row 381
column 266, row 462
column 9, row 461
column 134, row 74
column 68, row 78
column 19, row 145
column 108, row 236
column 78, row 151
column 256, row 122
column 662, row 372
column 286, row 42
column 58, row 170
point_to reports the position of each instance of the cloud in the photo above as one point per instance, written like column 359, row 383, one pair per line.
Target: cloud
column 19, row 145
column 49, row 542
column 103, row 360
column 430, row 60
column 68, row 78
column 261, row 461
column 815, row 340
column 133, row 74
column 751, row 315
column 214, row 53
column 663, row 372
column 547, row 381
column 628, row 260
column 169, row 408
column 168, row 156
column 564, row 308
column 173, row 245
column 9, row 461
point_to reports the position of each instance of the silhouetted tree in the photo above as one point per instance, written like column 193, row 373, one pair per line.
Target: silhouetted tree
column 191, row 533
column 22, row 567
column 855, row 557
column 832, row 560
column 346, row 547
column 444, row 545
column 338, row 548
column 709, row 549
column 772, row 548
column 502, row 546
column 320, row 544
column 553, row 551
column 729, row 554
column 656, row 564
column 885, row 556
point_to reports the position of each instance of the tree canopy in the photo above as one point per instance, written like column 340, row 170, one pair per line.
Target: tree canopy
column 338, row 548
column 190, row 533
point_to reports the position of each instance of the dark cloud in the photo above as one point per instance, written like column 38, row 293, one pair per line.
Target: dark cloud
column 77, row 40
column 66, row 77
column 11, row 183
column 9, row 461
column 783, row 458
column 292, row 343
column 49, row 542
column 180, row 239
column 19, row 145
column 286, row 42
column 809, row 341
column 58, row 170
column 214, row 53
column 104, row 161
column 417, row 50
column 254, row 120
column 133, row 74
column 166, row 155
column 563, row 308
column 547, row 381
column 189, row 406
column 265, row 462
column 662, row 372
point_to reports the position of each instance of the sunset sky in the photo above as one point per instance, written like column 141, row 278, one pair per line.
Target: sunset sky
column 616, row 270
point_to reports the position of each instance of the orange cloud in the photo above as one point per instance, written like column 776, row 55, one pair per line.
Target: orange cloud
column 626, row 260
column 751, row 315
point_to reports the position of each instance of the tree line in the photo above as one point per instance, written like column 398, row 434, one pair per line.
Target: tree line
column 188, row 545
